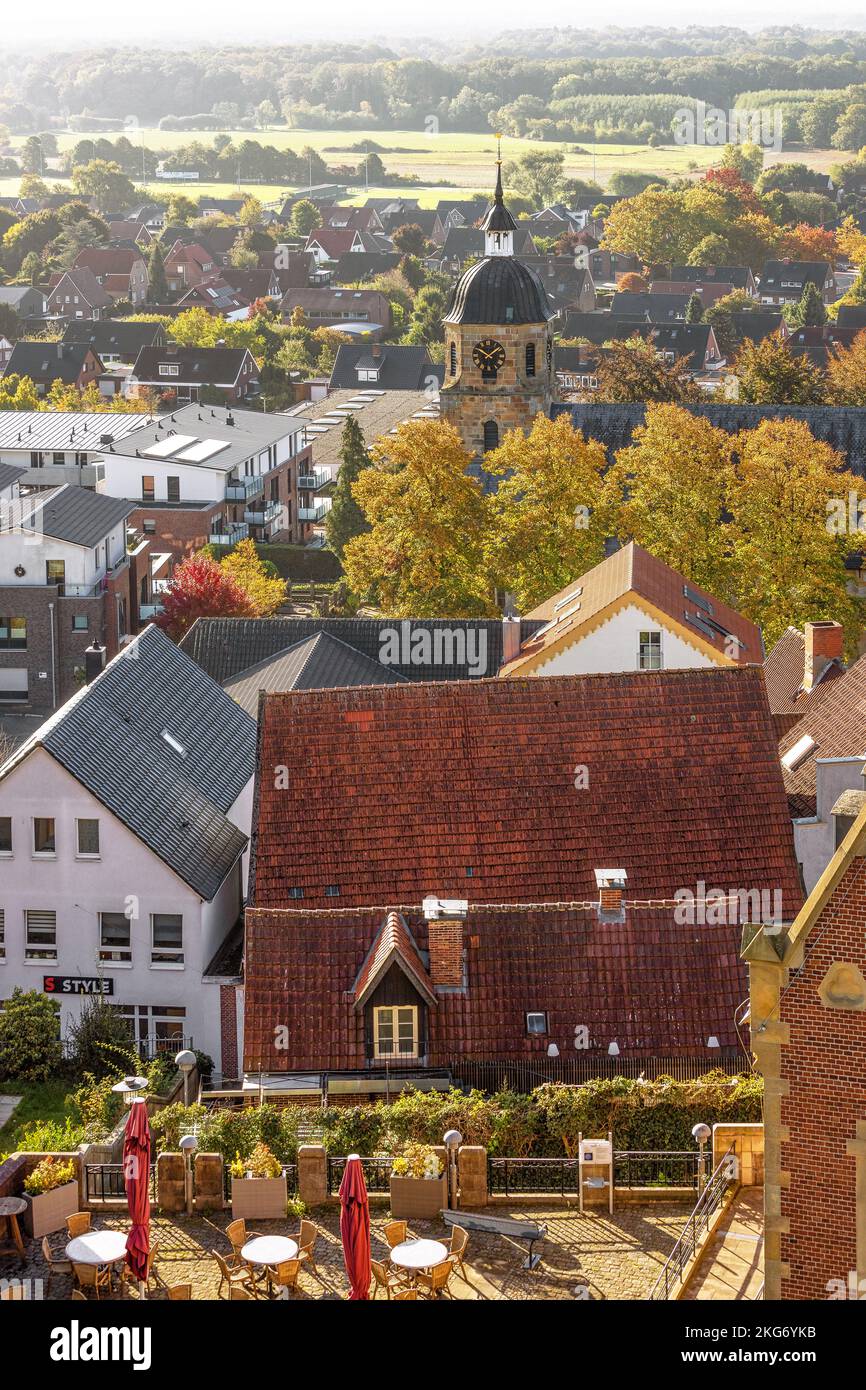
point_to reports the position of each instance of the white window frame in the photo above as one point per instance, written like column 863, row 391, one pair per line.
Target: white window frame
column 35, row 954
column 394, row 1011
column 650, row 633
column 84, row 853
column 115, row 957
column 174, row 959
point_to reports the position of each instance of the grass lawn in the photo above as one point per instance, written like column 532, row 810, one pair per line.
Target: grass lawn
column 41, row 1100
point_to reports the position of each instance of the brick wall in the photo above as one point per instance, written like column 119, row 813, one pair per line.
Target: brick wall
column 228, row 1030
column 823, row 1076
column 446, row 952
column 69, row 642
column 181, row 531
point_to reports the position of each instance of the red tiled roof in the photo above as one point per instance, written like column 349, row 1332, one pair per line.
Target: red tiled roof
column 783, row 672
column 108, row 260
column 469, row 790
column 393, row 944
column 837, row 723
column 633, row 570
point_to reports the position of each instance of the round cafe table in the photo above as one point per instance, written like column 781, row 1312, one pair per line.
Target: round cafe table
column 269, row 1250
column 10, row 1210
column 97, row 1248
column 418, row 1254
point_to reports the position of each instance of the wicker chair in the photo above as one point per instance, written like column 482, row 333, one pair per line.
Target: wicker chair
column 436, row 1282
column 406, row 1294
column 459, row 1242
column 78, row 1295
column 306, row 1241
column 238, row 1292
column 126, row 1275
column 284, row 1276
column 56, row 1266
column 395, row 1232
column 94, row 1277
column 177, row 1292
column 235, row 1278
column 383, row 1278
column 78, row 1224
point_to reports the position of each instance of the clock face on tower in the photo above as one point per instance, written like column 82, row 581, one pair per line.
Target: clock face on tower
column 488, row 356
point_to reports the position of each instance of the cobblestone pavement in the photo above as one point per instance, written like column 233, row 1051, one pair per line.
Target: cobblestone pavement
column 615, row 1257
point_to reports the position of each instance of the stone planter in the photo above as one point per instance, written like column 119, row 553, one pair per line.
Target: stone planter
column 259, row 1199
column 419, row 1199
column 48, row 1212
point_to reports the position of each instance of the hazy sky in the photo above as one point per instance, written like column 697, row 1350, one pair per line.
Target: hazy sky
column 53, row 23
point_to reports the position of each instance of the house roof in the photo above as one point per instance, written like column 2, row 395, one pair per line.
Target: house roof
column 227, row 647
column 80, row 430
column 107, row 260
column 47, row 362
column 378, row 411
column 562, row 279
column 740, row 276
column 363, row 265
column 239, row 433
column 73, row 514
column 113, row 336
column 336, row 241
column 9, row 474
column 707, row 292
column 109, row 736
column 796, row 274
column 83, row 282
column 755, row 325
column 656, row 308
column 461, row 242
column 400, row 368
column 701, row 619
column 315, row 663
column 216, row 366
column 852, row 316
column 14, row 294
column 834, row 721
column 467, row 790
column 394, row 945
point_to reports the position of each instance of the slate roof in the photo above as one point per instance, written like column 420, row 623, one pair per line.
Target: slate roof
column 9, row 474
column 46, row 362
column 316, row 663
column 77, row 515
column 836, row 720
column 362, row 265
column 109, row 737
column 400, row 367
column 755, row 326
column 562, row 279
column 852, row 316
column 217, row 366
column 656, row 308
column 114, row 336
column 740, row 276
column 633, row 570
column 410, row 787
column 499, row 290
column 226, row 647
column 796, row 274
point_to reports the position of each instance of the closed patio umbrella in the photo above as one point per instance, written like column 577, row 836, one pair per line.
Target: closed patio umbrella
column 136, row 1173
column 355, row 1228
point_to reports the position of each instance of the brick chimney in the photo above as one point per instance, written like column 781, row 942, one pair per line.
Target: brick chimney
column 611, row 886
column 445, row 919
column 824, row 643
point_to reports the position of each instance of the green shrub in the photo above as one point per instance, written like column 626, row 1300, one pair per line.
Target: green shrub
column 30, row 1047
column 99, row 1041
column 50, row 1136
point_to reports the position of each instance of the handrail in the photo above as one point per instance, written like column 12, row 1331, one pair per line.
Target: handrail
column 705, row 1209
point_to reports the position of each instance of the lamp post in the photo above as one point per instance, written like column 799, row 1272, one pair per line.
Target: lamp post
column 130, row 1088
column 452, row 1140
column 701, row 1133
column 185, row 1062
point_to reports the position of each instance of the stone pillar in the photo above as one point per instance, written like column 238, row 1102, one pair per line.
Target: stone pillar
column 208, row 1182
column 472, row 1173
column 312, row 1174
column 170, row 1186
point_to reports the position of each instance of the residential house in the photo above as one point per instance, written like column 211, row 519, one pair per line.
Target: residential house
column 320, row 662
column 695, row 342
column 358, row 266
column 851, row 316
column 783, row 282
column 26, row 300
column 121, row 272
column 608, row 267
column 115, row 340
column 206, row 474
column 798, row 667
column 652, row 308
column 754, row 326
column 708, row 291
column 330, row 243
column 77, row 294
column 632, row 612
column 739, row 277
column 187, row 265
column 73, row 364
column 215, row 294
column 818, row 342
column 807, row 1003
column 254, row 284
column 366, row 312
column 366, row 219
column 67, row 580
column 127, row 230
column 5, row 352
column 465, row 243
column 124, row 820
column 513, row 939
column 569, row 288
column 188, row 370
column 61, row 446
column 388, row 367
column 10, row 476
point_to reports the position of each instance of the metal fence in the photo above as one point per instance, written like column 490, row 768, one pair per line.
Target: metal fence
column 696, row 1228
column 631, row 1168
column 377, row 1173
column 106, row 1180
column 524, row 1075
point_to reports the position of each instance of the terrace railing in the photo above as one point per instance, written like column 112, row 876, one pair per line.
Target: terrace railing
column 106, row 1181
column 377, row 1173
column 632, row 1168
column 695, row 1231
column 524, row 1075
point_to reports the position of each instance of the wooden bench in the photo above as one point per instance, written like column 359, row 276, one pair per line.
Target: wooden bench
column 507, row 1226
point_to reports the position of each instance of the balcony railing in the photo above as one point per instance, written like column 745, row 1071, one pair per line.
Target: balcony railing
column 315, row 481
column 260, row 516
column 313, row 513
column 230, row 534
column 242, row 489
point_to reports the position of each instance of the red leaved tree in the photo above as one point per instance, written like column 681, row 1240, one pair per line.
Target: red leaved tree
column 200, row 588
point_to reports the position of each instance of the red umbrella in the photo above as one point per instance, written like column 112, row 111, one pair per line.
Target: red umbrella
column 355, row 1228
column 136, row 1172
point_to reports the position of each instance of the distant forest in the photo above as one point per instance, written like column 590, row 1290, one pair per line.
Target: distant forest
column 546, row 84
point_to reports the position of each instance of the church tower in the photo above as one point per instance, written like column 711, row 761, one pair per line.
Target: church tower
column 498, row 342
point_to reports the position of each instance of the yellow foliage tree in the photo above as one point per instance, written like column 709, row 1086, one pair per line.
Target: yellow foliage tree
column 264, row 589
column 846, row 373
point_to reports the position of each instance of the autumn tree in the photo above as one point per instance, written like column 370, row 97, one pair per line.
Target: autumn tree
column 410, row 239
column 201, row 588
column 787, row 559
column 632, row 283
column 633, row 371
column 105, row 182
column 667, row 489
column 258, row 578
column 548, row 517
column 846, row 373
column 769, row 374
column 346, row 519
column 422, row 556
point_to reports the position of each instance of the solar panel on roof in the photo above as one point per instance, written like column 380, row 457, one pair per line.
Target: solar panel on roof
column 697, row 599
column 164, row 448
column 204, row 449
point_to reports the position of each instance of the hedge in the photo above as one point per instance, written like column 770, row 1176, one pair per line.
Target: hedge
column 298, row 563
column 649, row 1115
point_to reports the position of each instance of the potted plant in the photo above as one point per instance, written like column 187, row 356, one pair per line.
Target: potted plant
column 51, row 1192
column 418, row 1184
column 258, row 1185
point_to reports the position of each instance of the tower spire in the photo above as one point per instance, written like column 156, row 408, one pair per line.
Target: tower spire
column 497, row 196
column 498, row 225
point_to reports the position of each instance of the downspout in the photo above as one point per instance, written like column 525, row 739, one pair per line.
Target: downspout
column 53, row 662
